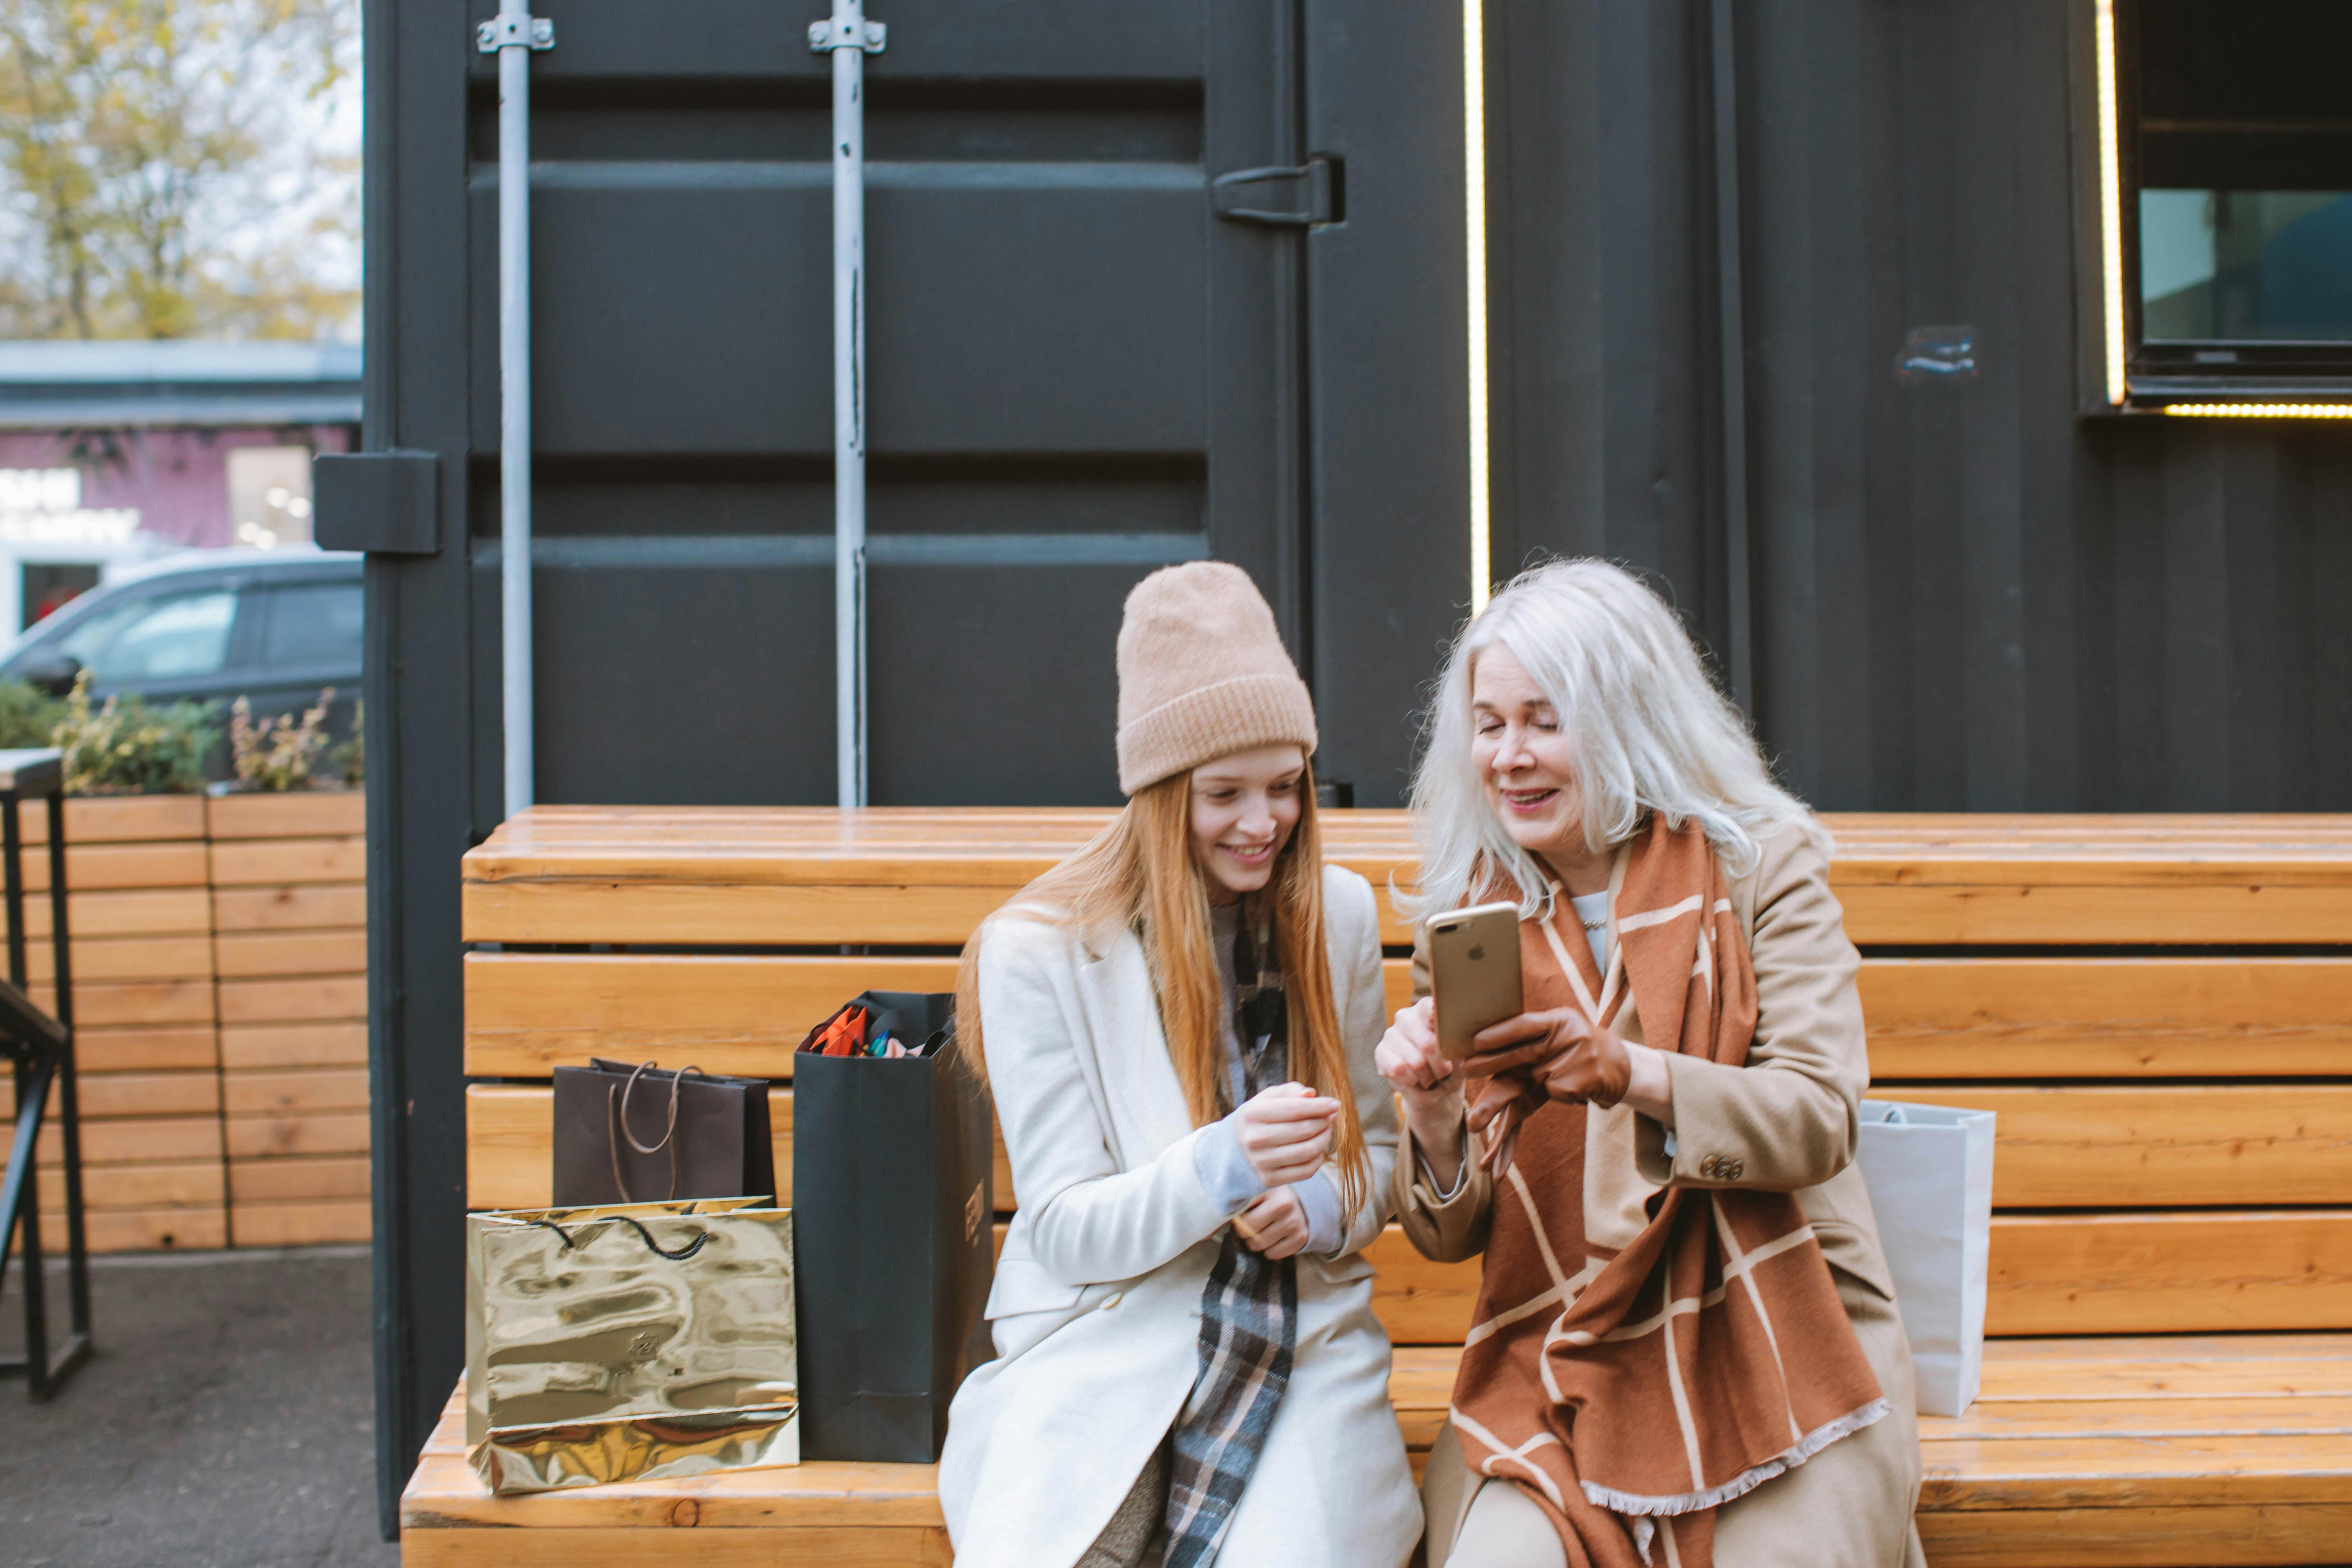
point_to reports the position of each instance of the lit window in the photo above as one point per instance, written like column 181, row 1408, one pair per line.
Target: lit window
column 2235, row 132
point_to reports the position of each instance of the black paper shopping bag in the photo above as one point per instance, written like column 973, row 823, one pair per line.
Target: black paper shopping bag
column 892, row 1211
column 638, row 1135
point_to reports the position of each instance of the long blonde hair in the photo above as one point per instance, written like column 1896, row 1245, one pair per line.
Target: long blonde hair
column 1651, row 734
column 1140, row 876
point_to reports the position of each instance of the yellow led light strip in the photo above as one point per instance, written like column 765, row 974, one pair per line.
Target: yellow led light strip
column 2262, row 410
column 2111, row 204
column 1474, row 174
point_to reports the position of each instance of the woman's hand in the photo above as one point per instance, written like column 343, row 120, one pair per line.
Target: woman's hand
column 1563, row 1052
column 1430, row 1086
column 1409, row 1058
column 1285, row 1131
column 1274, row 1223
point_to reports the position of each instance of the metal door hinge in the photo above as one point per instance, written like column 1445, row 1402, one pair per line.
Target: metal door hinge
column 1318, row 187
column 828, row 36
column 514, row 30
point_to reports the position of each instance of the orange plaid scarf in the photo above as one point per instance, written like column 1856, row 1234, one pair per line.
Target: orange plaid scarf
column 1627, row 1389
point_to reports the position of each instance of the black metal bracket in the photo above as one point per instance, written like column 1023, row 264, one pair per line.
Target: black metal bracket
column 1320, row 184
column 388, row 502
column 41, row 1050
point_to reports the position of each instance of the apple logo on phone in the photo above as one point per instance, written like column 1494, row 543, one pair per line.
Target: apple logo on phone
column 1477, row 952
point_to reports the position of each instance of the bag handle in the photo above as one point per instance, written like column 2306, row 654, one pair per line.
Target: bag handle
column 680, row 1256
column 617, row 1127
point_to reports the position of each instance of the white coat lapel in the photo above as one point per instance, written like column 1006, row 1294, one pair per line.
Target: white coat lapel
column 1146, row 1102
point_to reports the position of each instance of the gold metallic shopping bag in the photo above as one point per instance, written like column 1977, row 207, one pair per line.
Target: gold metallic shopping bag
column 629, row 1342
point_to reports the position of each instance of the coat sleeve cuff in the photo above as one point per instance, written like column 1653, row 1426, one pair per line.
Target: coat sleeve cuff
column 1224, row 1171
column 1320, row 1199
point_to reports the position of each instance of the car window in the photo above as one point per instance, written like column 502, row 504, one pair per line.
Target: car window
column 316, row 623
column 164, row 637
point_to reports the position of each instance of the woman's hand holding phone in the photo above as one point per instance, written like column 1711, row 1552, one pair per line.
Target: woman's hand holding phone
column 1285, row 1131
column 1574, row 1060
column 1429, row 1083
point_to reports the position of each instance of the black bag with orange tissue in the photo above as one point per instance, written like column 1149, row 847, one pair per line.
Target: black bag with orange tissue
column 885, row 1024
column 893, row 1210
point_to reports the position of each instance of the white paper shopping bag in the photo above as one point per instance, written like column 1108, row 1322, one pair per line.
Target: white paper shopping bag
column 1929, row 1169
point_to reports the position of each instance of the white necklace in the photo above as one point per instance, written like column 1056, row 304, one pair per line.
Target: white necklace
column 1601, row 924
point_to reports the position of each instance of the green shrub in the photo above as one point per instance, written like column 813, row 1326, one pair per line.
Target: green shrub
column 278, row 754
column 127, row 747
column 350, row 757
column 28, row 715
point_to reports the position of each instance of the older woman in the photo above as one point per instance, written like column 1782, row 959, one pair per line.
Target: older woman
column 1686, row 1348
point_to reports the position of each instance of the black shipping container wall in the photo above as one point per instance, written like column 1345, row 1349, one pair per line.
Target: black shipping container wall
column 1712, row 225
column 1078, row 372
column 1962, row 595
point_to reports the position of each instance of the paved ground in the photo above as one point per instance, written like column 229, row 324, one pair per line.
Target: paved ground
column 227, row 1421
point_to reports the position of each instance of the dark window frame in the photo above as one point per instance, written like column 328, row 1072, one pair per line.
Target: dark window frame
column 2168, row 370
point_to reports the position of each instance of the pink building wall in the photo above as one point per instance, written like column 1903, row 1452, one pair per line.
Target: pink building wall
column 176, row 478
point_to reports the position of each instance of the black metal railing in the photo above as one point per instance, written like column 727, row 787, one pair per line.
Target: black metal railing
column 41, row 1050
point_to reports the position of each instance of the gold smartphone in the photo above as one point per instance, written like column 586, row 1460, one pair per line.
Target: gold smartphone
column 1474, row 971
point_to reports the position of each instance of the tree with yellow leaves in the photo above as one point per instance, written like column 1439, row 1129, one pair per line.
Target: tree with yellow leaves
column 171, row 168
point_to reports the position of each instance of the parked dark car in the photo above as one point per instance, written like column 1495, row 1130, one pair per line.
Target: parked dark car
column 211, row 627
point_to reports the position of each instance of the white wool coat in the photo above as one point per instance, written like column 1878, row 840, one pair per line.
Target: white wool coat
column 1096, row 1305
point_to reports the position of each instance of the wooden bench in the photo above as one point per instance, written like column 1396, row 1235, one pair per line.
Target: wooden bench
column 2161, row 1009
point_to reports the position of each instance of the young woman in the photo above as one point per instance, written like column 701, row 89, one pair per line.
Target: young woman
column 1686, row 1348
column 1178, row 1023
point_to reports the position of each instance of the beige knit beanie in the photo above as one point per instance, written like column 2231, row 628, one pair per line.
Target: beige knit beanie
column 1202, row 674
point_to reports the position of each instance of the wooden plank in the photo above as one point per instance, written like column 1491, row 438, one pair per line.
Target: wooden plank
column 510, row 1147
column 297, row 1180
column 288, row 909
column 145, row 1050
column 121, row 1002
column 165, row 913
column 555, row 876
column 295, row 1091
column 264, row 1046
column 143, row 1230
column 182, row 1184
column 188, row 956
column 527, row 1012
column 2252, row 1536
column 2072, row 1274
column 326, row 1132
column 2005, row 1420
column 297, row 813
column 720, row 915
column 2154, row 1273
column 314, row 999
column 99, row 819
column 2107, row 1017
column 300, row 1224
column 118, row 819
column 2115, row 913
column 158, row 1138
column 106, row 1095
column 246, row 955
column 2107, row 1147
column 849, row 1546
column 93, row 868
column 268, row 862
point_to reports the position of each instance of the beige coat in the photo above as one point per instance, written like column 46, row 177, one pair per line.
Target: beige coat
column 1787, row 1121
column 1097, row 1306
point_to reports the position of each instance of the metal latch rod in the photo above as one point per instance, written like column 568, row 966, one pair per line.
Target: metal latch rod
column 849, row 37
column 514, row 35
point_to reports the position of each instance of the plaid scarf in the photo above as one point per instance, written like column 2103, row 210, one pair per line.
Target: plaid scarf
column 1249, row 1309
column 1633, row 1392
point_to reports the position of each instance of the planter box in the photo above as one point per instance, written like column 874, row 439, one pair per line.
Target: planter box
column 220, row 994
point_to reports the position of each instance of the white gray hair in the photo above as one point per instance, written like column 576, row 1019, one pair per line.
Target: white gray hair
column 1650, row 732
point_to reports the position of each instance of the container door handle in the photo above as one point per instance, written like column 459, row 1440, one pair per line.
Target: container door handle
column 1317, row 187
